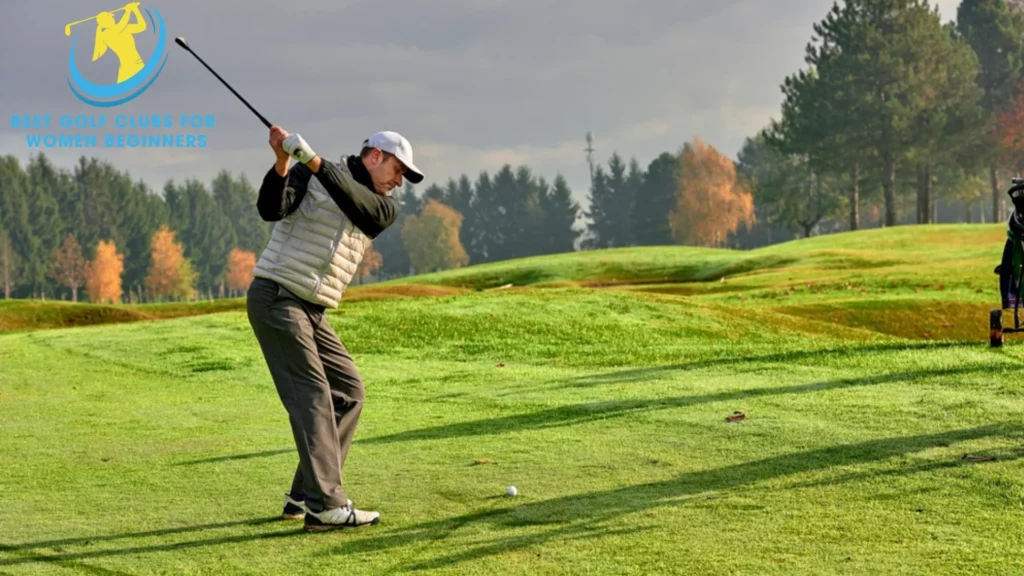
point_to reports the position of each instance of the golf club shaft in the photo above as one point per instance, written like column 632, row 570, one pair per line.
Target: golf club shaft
column 264, row 120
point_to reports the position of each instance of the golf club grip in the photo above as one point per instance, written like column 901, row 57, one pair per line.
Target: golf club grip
column 239, row 96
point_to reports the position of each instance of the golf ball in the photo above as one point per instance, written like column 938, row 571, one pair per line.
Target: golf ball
column 511, row 491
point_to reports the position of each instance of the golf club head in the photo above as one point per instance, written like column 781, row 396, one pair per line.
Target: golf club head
column 181, row 42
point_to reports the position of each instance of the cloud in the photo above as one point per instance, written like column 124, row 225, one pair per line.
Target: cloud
column 474, row 84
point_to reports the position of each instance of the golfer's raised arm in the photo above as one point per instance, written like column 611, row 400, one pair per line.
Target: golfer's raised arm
column 280, row 195
column 371, row 212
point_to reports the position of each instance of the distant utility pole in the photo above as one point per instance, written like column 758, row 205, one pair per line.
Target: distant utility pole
column 590, row 156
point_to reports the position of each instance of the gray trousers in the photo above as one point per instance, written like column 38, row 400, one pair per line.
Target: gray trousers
column 317, row 382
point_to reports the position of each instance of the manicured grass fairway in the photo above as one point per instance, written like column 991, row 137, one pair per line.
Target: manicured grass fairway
column 861, row 362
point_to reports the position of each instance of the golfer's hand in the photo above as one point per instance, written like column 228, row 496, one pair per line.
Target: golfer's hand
column 297, row 148
column 277, row 136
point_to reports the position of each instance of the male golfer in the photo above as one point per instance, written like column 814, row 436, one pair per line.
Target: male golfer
column 325, row 215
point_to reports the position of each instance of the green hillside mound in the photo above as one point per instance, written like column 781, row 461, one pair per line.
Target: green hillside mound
column 38, row 314
column 919, row 282
column 945, row 252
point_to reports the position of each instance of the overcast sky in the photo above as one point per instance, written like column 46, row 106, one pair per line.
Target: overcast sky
column 473, row 84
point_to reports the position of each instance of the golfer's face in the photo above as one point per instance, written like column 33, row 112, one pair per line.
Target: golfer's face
column 389, row 175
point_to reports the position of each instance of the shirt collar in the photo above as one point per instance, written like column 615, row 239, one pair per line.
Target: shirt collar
column 359, row 172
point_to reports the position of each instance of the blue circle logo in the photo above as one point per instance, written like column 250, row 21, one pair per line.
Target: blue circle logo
column 116, row 35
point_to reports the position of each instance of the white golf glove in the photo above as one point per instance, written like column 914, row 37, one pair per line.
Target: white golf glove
column 297, row 148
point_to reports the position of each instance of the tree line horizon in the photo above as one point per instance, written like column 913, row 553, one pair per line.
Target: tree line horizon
column 898, row 118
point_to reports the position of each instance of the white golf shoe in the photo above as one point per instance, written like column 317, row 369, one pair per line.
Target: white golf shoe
column 338, row 518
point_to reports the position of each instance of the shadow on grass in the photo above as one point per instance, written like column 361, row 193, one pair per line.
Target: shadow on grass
column 737, row 362
column 574, row 414
column 1003, row 455
column 588, row 515
column 248, row 456
column 31, row 552
column 577, row 517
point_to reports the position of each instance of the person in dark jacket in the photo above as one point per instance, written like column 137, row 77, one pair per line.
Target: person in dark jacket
column 326, row 214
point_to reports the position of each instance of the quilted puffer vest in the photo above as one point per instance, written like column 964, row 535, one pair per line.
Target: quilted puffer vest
column 315, row 250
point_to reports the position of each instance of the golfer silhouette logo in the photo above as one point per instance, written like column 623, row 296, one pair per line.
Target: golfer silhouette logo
column 117, row 36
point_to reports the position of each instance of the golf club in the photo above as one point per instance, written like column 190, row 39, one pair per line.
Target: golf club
column 181, row 42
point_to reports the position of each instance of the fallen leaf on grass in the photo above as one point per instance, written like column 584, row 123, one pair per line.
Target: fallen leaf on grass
column 501, row 365
column 947, row 325
column 482, row 462
column 736, row 417
column 974, row 458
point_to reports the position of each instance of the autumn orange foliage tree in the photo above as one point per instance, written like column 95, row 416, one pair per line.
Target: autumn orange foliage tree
column 240, row 270
column 69, row 265
column 170, row 273
column 371, row 262
column 712, row 201
column 103, row 276
column 1009, row 132
column 432, row 238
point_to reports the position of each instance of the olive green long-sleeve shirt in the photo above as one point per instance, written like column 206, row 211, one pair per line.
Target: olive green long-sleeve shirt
column 372, row 213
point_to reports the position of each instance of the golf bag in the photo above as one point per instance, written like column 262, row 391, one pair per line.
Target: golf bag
column 1010, row 267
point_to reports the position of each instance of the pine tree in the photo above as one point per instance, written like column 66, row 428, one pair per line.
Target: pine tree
column 995, row 32
column 612, row 197
column 203, row 229
column 655, row 199
column 787, row 191
column 92, row 211
column 560, row 215
column 494, row 198
column 45, row 185
column 14, row 220
column 888, row 67
column 8, row 265
column 525, row 222
column 483, row 233
column 433, row 192
column 236, row 199
column 144, row 213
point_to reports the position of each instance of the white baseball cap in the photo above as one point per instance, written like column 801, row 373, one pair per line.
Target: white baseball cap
column 396, row 144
